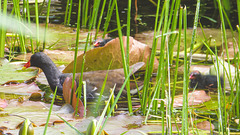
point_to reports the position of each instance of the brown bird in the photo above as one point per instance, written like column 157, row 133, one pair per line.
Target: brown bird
column 94, row 79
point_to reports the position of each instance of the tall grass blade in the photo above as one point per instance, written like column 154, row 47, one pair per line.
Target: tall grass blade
column 49, row 113
column 111, row 6
column 21, row 38
column 238, row 63
column 37, row 25
column 194, row 31
column 71, row 125
column 66, row 13
column 75, row 56
column 2, row 29
column 123, row 59
column 96, row 5
column 85, row 13
column 149, row 71
column 102, row 89
column 222, row 112
column 29, row 23
column 127, row 53
column 46, row 24
column 100, row 18
column 70, row 12
column 185, row 78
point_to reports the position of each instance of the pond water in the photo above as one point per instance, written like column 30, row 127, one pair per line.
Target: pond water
column 145, row 18
column 144, row 24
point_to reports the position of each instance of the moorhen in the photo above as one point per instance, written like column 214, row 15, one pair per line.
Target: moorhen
column 101, row 42
column 203, row 81
column 94, row 79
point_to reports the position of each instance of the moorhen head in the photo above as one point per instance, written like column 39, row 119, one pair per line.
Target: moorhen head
column 203, row 81
column 54, row 77
column 101, row 42
column 94, row 79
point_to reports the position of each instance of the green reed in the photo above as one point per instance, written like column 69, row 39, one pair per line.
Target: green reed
column 222, row 112
column 149, row 66
column 37, row 25
column 2, row 30
column 75, row 59
column 238, row 64
column 238, row 75
column 96, row 5
column 46, row 24
column 49, row 113
column 102, row 89
column 185, row 78
column 111, row 6
column 124, row 61
column 164, row 20
column 66, row 13
column 69, row 12
column 85, row 13
column 101, row 119
column 127, row 56
column 177, row 63
column 100, row 18
column 187, row 64
column 29, row 22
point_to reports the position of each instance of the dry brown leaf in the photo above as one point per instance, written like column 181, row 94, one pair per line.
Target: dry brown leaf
column 197, row 97
column 3, row 103
column 205, row 125
column 100, row 58
column 67, row 87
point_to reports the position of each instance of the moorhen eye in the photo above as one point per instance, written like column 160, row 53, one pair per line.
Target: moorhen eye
column 94, row 79
column 203, row 81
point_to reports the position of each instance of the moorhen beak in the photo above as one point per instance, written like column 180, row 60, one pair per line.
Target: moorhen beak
column 94, row 79
column 203, row 81
column 27, row 65
column 101, row 42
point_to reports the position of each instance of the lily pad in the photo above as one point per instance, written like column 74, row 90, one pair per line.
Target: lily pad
column 13, row 72
column 20, row 89
column 58, row 56
column 195, row 98
column 100, row 58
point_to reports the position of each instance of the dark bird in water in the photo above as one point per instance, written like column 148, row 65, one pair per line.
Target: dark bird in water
column 94, row 79
column 203, row 81
column 101, row 42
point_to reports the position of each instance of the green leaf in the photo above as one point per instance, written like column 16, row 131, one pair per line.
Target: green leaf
column 13, row 72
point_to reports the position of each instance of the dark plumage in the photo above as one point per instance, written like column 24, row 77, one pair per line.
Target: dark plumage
column 94, row 79
column 101, row 42
column 203, row 81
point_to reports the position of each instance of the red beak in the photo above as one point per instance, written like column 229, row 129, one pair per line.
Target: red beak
column 96, row 44
column 191, row 77
column 28, row 64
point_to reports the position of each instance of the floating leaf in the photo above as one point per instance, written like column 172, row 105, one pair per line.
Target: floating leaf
column 100, row 58
column 3, row 103
column 195, row 98
column 13, row 72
